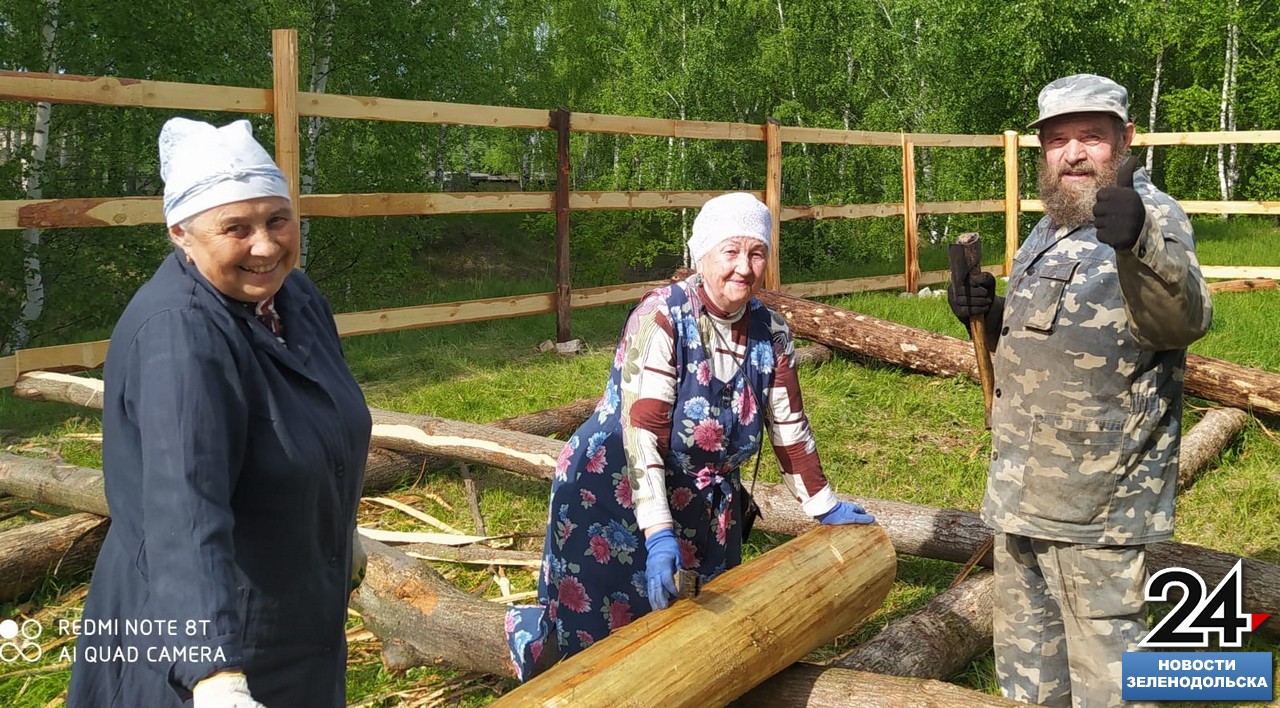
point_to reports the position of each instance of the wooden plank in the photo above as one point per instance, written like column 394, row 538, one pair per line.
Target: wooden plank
column 1241, row 272
column 664, row 127
column 1241, row 286
column 835, row 136
column 101, row 211
column 401, row 110
column 613, row 294
column 604, row 201
column 910, row 221
column 419, row 316
column 1197, row 207
column 134, row 211
column 1236, row 207
column 840, row 211
column 950, row 140
column 773, row 199
column 284, row 106
column 845, row 286
column 8, row 370
column 62, row 358
column 977, row 206
column 404, row 204
column 1212, row 137
column 1012, row 194
column 132, row 93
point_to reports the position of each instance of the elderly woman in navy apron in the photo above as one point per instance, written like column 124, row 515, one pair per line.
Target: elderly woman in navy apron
column 234, row 445
column 650, row 483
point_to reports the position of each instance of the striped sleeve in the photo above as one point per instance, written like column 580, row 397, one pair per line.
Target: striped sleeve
column 789, row 431
column 648, row 394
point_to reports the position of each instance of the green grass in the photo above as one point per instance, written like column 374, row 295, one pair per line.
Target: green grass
column 882, row 433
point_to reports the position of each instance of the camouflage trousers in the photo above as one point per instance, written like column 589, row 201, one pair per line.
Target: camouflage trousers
column 1064, row 615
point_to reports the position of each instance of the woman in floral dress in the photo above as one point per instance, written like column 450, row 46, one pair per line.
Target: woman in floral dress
column 650, row 483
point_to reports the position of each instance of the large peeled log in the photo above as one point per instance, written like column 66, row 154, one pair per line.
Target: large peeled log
column 745, row 626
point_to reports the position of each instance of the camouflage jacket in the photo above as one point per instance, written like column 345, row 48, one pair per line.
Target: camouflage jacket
column 1089, row 370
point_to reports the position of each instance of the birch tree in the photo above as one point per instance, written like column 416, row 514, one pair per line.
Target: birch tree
column 33, row 277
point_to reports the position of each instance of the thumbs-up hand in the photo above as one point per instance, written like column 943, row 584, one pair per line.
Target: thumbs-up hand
column 1118, row 213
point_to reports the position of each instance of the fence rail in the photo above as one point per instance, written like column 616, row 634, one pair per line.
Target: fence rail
column 286, row 104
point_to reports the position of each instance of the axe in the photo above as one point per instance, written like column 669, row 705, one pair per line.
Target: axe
column 966, row 259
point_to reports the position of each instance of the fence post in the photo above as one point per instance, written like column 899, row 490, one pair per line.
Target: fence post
column 560, row 120
column 773, row 199
column 1012, row 198
column 910, row 235
column 284, row 106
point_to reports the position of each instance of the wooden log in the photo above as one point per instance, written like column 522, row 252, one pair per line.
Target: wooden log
column 1206, row 440
column 33, row 552
column 56, row 483
column 1216, row 380
column 934, row 642
column 424, row 620
column 1242, row 286
column 552, row 422
column 915, row 529
column 814, row 686
column 531, row 455
column 760, row 616
column 472, row 554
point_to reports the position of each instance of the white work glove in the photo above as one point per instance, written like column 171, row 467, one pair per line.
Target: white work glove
column 229, row 689
column 359, row 562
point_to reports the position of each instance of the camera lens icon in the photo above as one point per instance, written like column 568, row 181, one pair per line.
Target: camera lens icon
column 20, row 640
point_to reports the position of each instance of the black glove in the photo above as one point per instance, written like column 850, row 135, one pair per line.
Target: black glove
column 1118, row 213
column 978, row 299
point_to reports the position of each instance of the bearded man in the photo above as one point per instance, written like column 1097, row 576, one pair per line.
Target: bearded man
column 1089, row 353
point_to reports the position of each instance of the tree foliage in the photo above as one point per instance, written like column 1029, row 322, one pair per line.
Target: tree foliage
column 962, row 66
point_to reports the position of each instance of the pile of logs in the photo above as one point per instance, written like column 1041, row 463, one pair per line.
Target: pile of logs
column 422, row 619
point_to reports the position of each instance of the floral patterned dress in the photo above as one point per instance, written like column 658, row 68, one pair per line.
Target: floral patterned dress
column 593, row 572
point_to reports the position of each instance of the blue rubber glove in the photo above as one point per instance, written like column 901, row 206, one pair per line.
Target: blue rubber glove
column 845, row 513
column 660, row 569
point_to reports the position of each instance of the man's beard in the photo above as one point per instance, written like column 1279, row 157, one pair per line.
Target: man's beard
column 1070, row 204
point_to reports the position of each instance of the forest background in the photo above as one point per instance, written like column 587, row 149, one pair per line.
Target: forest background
column 938, row 66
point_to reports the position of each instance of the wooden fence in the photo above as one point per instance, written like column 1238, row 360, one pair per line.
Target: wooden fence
column 287, row 105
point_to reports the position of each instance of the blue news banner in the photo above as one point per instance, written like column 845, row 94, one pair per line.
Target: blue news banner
column 1197, row 676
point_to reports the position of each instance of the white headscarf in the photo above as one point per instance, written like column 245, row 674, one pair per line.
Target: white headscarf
column 727, row 216
column 204, row 167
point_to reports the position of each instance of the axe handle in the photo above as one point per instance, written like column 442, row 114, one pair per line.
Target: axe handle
column 972, row 248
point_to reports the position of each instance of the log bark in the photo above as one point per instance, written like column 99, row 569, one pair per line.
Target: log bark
column 558, row 422
column 760, row 616
column 531, row 455
column 814, row 686
column 934, row 642
column 33, row 552
column 424, row 620
column 1206, row 440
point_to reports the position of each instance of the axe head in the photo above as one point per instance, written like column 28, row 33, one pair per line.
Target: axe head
column 688, row 583
column 965, row 257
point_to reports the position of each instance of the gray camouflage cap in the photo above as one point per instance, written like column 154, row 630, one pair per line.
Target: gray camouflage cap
column 1082, row 93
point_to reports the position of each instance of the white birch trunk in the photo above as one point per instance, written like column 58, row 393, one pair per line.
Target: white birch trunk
column 33, row 175
column 315, row 124
column 1226, row 108
column 1151, row 115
